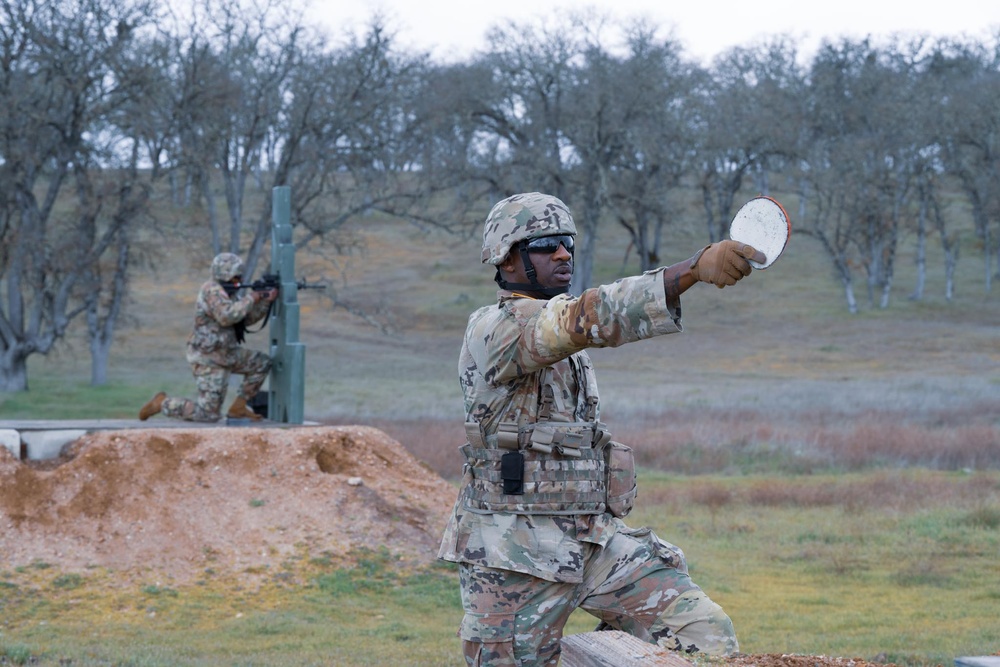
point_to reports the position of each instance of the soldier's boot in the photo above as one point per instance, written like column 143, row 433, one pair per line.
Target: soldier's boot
column 240, row 410
column 152, row 406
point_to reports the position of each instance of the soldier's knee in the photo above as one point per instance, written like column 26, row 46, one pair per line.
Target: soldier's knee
column 261, row 362
column 205, row 412
column 694, row 623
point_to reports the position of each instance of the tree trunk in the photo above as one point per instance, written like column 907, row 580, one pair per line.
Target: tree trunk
column 213, row 215
column 235, row 184
column 101, row 338
column 949, row 245
column 583, row 261
column 762, row 181
column 99, row 352
column 852, row 302
column 889, row 261
column 13, row 371
column 706, row 200
column 987, row 257
column 949, row 283
column 921, row 259
column 886, row 289
column 102, row 330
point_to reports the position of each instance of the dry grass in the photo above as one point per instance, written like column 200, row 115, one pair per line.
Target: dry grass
column 886, row 490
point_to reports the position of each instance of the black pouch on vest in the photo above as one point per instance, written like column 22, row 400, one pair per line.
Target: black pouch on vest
column 512, row 473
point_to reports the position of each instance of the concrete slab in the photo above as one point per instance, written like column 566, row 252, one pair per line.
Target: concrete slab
column 45, row 438
column 11, row 439
column 25, row 425
column 978, row 661
column 41, row 445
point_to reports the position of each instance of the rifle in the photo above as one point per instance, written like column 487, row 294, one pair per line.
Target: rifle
column 265, row 283
column 270, row 281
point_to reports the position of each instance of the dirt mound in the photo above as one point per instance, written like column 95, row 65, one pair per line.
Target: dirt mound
column 239, row 500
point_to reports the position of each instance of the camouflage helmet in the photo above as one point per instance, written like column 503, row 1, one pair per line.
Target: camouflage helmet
column 226, row 266
column 520, row 218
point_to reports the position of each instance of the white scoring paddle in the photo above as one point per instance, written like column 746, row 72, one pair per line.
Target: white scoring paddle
column 763, row 223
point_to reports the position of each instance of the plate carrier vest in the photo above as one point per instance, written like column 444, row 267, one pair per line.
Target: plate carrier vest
column 569, row 468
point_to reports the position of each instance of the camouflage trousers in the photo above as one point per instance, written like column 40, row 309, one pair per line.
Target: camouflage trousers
column 213, row 382
column 637, row 583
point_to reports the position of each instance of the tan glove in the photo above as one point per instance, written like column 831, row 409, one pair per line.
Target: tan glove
column 724, row 263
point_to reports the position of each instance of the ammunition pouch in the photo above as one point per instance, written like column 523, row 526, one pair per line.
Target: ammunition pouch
column 622, row 487
column 564, row 438
column 548, row 468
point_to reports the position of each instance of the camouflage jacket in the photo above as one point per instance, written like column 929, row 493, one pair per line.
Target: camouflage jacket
column 213, row 340
column 507, row 349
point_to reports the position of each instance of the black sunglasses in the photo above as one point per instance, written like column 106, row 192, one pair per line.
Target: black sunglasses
column 549, row 244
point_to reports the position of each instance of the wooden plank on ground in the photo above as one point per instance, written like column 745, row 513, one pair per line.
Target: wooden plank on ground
column 612, row 648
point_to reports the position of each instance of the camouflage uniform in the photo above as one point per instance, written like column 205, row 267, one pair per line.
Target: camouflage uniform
column 522, row 574
column 212, row 348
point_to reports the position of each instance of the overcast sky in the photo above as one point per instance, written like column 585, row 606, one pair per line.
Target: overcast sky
column 451, row 30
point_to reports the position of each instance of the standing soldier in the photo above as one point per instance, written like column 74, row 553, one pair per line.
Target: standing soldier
column 213, row 348
column 537, row 528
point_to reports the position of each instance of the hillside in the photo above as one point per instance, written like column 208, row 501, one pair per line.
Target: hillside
column 774, row 361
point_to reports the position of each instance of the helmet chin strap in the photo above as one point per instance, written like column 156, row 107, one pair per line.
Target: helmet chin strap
column 534, row 285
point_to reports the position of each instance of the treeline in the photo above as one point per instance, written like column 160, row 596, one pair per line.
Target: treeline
column 107, row 104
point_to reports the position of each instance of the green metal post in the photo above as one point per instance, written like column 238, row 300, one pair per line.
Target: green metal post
column 286, row 389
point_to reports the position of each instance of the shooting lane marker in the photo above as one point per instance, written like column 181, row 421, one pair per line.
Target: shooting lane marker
column 763, row 223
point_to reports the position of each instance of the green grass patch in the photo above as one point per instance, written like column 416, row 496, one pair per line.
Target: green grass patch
column 987, row 518
column 62, row 397
column 68, row 581
column 825, row 567
column 15, row 654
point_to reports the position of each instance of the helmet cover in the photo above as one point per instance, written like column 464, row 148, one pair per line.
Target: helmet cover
column 226, row 266
column 523, row 217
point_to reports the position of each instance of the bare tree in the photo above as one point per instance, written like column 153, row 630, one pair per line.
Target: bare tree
column 928, row 126
column 970, row 136
column 861, row 161
column 613, row 98
column 58, row 98
column 350, row 137
column 237, row 62
column 522, row 114
column 658, row 145
column 750, row 113
column 564, row 115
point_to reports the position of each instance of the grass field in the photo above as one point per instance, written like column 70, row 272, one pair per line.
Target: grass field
column 894, row 566
column 832, row 478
